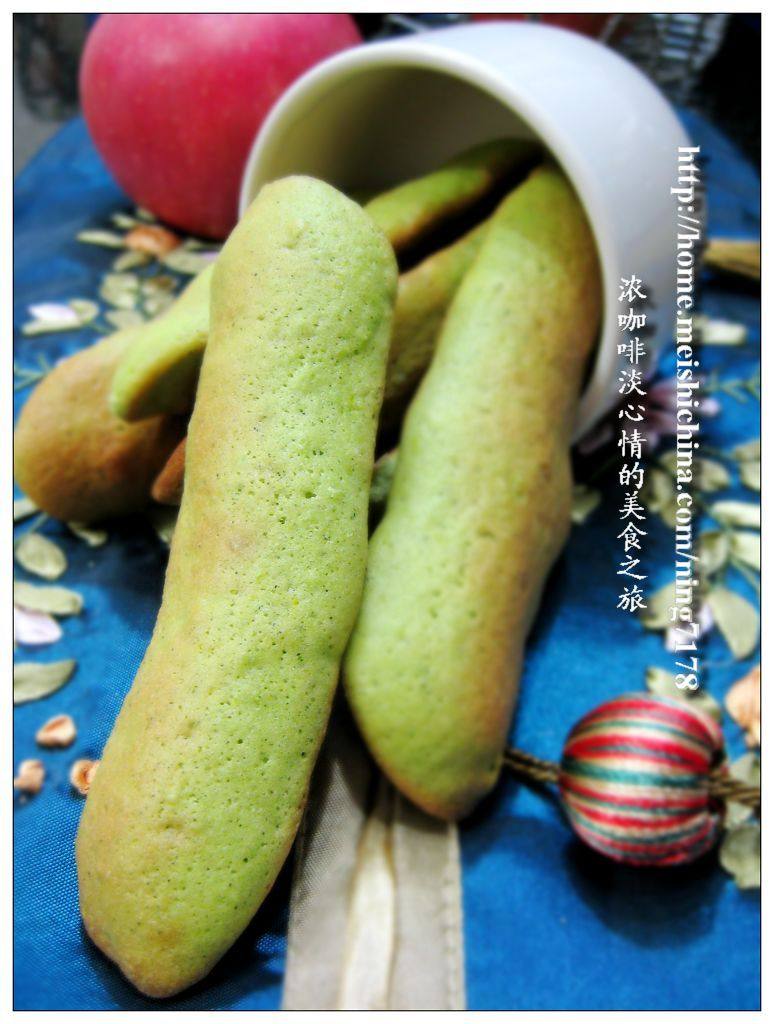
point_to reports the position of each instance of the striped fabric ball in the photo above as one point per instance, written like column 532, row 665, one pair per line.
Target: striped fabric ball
column 634, row 780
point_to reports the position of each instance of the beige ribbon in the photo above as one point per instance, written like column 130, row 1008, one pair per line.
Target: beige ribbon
column 376, row 906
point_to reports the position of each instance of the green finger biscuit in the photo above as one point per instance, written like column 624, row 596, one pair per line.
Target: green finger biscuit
column 160, row 369
column 75, row 458
column 479, row 506
column 158, row 373
column 203, row 781
column 424, row 294
column 410, row 211
column 423, row 297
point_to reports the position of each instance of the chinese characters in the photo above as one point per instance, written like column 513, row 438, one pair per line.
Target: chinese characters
column 631, row 475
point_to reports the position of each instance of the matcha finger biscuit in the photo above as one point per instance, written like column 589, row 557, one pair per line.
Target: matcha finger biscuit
column 160, row 370
column 204, row 778
column 158, row 374
column 410, row 211
column 479, row 506
column 423, row 296
column 73, row 456
column 168, row 486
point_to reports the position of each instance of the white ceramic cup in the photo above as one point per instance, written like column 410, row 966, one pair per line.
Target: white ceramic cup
column 384, row 112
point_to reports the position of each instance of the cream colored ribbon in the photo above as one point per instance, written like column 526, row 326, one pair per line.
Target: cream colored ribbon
column 376, row 906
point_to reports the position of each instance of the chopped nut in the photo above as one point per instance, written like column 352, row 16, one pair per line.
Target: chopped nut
column 30, row 777
column 743, row 703
column 81, row 775
column 57, row 732
column 151, row 239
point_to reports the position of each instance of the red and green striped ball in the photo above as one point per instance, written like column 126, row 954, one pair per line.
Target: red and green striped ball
column 634, row 780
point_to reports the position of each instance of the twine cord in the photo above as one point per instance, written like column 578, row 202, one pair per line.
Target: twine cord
column 726, row 787
column 530, row 767
column 721, row 785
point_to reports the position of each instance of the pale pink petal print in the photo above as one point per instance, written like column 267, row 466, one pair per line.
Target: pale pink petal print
column 34, row 629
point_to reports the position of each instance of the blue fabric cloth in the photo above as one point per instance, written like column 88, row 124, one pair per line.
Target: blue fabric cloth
column 548, row 924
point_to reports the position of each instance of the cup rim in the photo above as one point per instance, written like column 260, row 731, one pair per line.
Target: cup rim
column 420, row 52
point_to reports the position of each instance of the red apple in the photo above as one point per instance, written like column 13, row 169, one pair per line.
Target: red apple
column 173, row 101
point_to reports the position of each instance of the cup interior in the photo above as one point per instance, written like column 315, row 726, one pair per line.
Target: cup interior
column 380, row 124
